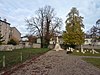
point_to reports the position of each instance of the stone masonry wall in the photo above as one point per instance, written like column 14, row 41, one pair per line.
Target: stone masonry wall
column 9, row 47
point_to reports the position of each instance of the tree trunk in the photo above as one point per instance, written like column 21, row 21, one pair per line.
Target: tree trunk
column 41, row 42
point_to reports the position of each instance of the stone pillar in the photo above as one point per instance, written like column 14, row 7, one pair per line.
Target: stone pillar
column 82, row 49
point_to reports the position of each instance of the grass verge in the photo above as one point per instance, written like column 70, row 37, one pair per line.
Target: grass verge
column 18, row 56
column 94, row 61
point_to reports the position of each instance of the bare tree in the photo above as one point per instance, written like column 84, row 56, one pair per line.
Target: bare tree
column 94, row 32
column 44, row 24
column 31, row 39
column 35, row 24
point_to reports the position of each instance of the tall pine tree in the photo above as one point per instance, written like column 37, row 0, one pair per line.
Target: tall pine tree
column 74, row 34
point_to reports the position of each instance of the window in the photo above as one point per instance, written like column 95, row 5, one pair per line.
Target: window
column 86, row 41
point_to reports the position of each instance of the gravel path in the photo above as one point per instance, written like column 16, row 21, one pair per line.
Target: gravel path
column 58, row 63
column 89, row 56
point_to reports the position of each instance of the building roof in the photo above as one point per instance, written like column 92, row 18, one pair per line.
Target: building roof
column 88, row 35
column 4, row 22
column 15, row 28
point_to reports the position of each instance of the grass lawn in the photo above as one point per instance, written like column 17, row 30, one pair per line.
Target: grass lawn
column 86, row 54
column 14, row 57
column 94, row 61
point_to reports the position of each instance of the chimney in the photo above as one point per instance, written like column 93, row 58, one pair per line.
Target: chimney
column 5, row 20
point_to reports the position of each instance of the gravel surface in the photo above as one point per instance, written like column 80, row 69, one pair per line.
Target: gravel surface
column 89, row 56
column 57, row 63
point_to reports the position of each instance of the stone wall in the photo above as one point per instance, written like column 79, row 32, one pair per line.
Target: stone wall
column 35, row 45
column 9, row 47
column 18, row 47
column 6, row 47
column 90, row 47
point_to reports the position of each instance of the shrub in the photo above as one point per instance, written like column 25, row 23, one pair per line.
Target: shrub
column 13, row 42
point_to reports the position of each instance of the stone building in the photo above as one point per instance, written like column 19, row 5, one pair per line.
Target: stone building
column 9, row 32
column 5, row 30
column 15, row 34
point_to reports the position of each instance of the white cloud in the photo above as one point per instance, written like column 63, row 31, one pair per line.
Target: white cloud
column 16, row 10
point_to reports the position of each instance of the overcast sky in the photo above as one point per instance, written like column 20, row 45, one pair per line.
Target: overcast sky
column 15, row 11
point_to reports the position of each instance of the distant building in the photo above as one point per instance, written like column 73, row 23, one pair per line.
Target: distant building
column 38, row 40
column 5, row 30
column 88, row 40
column 52, row 41
column 8, row 32
column 15, row 35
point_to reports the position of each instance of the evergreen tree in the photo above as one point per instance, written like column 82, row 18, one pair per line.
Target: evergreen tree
column 74, row 34
column 1, row 39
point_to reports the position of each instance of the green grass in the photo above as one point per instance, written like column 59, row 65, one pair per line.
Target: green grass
column 14, row 57
column 86, row 54
column 94, row 61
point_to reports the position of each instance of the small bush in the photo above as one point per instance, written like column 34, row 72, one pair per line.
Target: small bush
column 12, row 42
column 69, row 52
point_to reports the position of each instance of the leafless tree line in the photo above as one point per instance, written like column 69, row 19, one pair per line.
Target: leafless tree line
column 44, row 24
